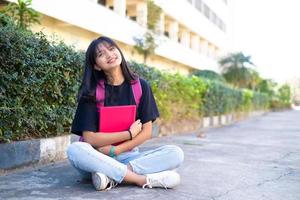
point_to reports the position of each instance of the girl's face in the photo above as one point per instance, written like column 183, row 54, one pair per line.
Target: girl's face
column 107, row 58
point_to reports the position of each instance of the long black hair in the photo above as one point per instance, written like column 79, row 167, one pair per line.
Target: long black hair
column 91, row 76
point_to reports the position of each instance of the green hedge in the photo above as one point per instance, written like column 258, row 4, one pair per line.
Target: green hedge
column 209, row 75
column 222, row 99
column 177, row 96
column 192, row 97
column 39, row 81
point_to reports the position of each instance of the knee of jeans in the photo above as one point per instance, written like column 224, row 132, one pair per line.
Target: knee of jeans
column 177, row 153
column 73, row 149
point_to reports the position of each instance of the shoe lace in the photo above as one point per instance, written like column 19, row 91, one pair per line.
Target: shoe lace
column 112, row 184
column 151, row 182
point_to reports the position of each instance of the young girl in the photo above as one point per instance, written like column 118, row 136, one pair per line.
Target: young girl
column 96, row 157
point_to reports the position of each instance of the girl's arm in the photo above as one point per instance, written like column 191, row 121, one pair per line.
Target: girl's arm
column 144, row 135
column 99, row 140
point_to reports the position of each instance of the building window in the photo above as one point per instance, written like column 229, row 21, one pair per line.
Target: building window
column 132, row 18
column 213, row 17
column 219, row 22
column 206, row 10
column 223, row 27
column 198, row 5
column 102, row 2
column 166, row 33
column 208, row 13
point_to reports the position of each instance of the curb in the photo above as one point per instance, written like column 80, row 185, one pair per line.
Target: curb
column 34, row 152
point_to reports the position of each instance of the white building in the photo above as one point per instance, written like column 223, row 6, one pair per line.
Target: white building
column 193, row 33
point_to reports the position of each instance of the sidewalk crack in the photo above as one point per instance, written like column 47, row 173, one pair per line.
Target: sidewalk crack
column 290, row 171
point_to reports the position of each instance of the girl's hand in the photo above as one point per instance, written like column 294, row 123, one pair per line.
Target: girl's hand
column 136, row 128
column 105, row 149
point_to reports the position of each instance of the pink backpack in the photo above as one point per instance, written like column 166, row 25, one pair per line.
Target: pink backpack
column 100, row 95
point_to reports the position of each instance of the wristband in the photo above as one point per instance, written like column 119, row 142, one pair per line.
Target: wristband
column 130, row 134
column 112, row 151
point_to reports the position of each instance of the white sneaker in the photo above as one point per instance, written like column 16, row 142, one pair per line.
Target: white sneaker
column 164, row 179
column 101, row 181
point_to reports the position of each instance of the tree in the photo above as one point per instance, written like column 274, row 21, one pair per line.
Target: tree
column 267, row 86
column 22, row 14
column 255, row 79
column 234, row 60
column 238, row 77
column 235, row 72
column 147, row 43
column 284, row 93
column 209, row 74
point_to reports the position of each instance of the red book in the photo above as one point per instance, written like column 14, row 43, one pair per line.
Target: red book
column 116, row 118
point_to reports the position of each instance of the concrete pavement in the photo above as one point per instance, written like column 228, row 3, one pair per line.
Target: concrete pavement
column 257, row 159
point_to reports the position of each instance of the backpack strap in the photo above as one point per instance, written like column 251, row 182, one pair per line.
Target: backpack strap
column 137, row 91
column 100, row 94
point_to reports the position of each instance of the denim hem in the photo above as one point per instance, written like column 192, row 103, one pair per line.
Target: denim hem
column 122, row 176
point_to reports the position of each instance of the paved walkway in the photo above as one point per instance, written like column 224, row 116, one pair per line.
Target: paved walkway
column 257, row 159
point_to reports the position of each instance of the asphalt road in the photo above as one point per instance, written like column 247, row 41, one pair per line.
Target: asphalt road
column 257, row 159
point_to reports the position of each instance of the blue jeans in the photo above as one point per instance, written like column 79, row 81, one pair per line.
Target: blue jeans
column 87, row 160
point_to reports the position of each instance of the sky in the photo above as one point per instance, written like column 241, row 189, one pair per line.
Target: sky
column 269, row 31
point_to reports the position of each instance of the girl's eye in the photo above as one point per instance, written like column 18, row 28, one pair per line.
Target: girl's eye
column 111, row 48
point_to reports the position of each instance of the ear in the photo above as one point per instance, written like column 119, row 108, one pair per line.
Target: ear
column 97, row 68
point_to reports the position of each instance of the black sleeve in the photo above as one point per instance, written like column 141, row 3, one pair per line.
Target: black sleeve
column 86, row 118
column 147, row 110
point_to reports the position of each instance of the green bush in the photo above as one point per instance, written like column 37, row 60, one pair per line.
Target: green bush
column 222, row 99
column 209, row 75
column 247, row 99
column 260, row 101
column 281, row 98
column 192, row 97
column 177, row 96
column 39, row 80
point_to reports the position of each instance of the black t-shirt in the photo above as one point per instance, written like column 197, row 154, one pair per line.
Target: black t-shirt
column 87, row 118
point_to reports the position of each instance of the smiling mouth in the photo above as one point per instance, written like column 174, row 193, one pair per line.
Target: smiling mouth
column 112, row 60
